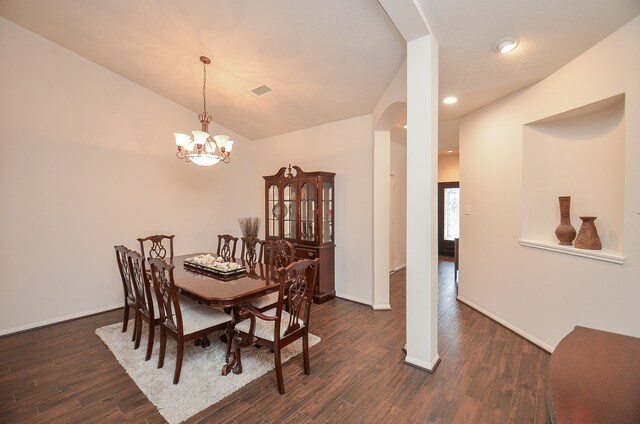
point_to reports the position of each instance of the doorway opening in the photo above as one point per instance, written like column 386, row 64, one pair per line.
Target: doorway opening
column 448, row 217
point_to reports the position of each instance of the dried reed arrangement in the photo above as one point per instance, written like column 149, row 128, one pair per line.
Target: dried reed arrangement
column 249, row 226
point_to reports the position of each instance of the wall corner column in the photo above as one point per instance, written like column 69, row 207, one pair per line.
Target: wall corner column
column 422, row 175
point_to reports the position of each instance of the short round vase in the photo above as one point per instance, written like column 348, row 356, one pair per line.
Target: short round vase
column 565, row 231
column 588, row 237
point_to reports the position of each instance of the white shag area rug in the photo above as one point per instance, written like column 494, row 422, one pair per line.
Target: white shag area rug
column 201, row 383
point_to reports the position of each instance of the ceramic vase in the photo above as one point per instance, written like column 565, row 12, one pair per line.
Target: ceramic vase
column 565, row 231
column 588, row 237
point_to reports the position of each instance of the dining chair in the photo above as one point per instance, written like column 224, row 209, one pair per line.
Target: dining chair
column 252, row 249
column 281, row 253
column 182, row 323
column 227, row 246
column 146, row 304
column 157, row 246
column 127, row 286
column 282, row 325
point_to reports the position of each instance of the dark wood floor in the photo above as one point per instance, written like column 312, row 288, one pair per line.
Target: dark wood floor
column 65, row 374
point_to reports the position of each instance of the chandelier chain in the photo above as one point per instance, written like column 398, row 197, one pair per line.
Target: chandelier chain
column 204, row 87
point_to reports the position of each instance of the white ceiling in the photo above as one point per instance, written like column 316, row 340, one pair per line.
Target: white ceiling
column 325, row 60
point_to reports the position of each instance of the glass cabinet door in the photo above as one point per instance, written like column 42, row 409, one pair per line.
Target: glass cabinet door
column 289, row 211
column 307, row 211
column 327, row 212
column 273, row 211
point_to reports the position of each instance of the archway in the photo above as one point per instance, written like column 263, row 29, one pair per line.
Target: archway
column 388, row 130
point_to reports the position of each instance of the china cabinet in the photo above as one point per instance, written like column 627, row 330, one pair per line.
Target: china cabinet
column 299, row 208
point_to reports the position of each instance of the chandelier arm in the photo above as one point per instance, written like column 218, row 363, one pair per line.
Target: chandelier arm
column 211, row 142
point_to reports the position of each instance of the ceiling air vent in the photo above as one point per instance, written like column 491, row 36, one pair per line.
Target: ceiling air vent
column 259, row 91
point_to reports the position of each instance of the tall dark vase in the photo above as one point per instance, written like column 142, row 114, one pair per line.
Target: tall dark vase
column 565, row 231
column 588, row 237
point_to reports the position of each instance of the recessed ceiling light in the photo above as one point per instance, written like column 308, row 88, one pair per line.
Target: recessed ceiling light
column 405, row 126
column 505, row 45
column 449, row 151
column 449, row 100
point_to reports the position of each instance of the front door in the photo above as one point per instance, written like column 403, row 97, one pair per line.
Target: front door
column 448, row 217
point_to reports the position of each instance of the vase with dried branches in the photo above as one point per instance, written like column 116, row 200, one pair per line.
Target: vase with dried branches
column 249, row 226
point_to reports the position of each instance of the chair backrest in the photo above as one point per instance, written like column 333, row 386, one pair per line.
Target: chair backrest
column 298, row 282
column 125, row 272
column 227, row 246
column 141, row 283
column 252, row 249
column 157, row 246
column 166, row 293
column 281, row 253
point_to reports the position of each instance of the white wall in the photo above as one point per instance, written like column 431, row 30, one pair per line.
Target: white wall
column 539, row 293
column 448, row 168
column 399, row 203
column 88, row 162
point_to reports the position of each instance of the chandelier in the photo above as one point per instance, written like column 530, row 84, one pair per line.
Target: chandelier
column 203, row 149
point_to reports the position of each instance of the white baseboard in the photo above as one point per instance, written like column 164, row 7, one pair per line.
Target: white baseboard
column 510, row 326
column 381, row 307
column 353, row 299
column 38, row 324
column 427, row 366
column 398, row 268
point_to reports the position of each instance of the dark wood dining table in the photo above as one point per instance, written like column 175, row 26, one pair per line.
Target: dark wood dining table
column 229, row 292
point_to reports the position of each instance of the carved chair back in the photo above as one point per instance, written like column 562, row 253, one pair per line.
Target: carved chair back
column 296, row 292
column 252, row 249
column 227, row 246
column 141, row 283
column 125, row 272
column 167, row 294
column 282, row 253
column 157, row 246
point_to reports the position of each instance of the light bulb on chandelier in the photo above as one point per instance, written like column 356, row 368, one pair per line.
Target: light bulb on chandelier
column 203, row 149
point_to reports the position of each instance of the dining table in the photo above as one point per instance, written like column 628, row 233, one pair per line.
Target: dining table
column 230, row 292
column 233, row 291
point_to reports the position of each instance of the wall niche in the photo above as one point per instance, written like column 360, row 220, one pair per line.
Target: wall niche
column 577, row 153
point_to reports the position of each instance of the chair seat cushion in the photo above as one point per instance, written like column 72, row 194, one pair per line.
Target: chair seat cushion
column 266, row 300
column 264, row 329
column 196, row 317
column 185, row 303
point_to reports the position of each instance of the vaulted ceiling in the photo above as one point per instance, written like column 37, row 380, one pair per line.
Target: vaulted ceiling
column 324, row 60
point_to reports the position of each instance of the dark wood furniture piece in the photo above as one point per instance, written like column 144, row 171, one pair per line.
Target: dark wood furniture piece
column 182, row 324
column 282, row 253
column 252, row 249
column 157, row 246
column 127, row 286
column 227, row 246
column 146, row 304
column 282, row 325
column 594, row 377
column 299, row 208
column 219, row 291
column 253, row 255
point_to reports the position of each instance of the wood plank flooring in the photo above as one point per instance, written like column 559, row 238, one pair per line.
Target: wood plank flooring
column 65, row 374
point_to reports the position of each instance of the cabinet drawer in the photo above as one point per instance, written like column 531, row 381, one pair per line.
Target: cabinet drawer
column 302, row 253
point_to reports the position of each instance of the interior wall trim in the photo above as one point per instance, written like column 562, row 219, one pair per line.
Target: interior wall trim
column 507, row 324
column 353, row 299
column 425, row 366
column 381, row 307
column 399, row 268
column 58, row 320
